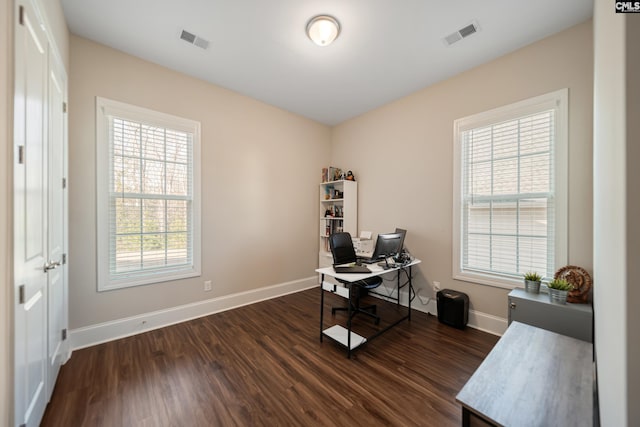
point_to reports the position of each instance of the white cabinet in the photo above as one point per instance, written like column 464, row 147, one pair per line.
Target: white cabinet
column 338, row 212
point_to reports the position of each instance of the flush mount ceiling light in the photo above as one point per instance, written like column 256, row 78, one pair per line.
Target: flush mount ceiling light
column 323, row 29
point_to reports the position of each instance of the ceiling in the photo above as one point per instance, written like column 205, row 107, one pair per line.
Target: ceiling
column 386, row 49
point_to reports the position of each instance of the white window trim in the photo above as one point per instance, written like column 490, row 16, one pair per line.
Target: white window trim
column 559, row 101
column 104, row 108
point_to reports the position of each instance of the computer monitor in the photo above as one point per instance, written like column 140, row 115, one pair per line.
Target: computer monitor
column 404, row 234
column 387, row 245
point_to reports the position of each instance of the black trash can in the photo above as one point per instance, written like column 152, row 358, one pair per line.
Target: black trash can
column 453, row 308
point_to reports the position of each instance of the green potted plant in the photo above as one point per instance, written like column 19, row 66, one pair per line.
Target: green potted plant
column 558, row 289
column 532, row 282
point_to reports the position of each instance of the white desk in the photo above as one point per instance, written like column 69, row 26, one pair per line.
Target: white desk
column 346, row 336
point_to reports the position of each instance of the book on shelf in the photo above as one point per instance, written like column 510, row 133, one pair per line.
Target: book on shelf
column 331, row 174
column 329, row 225
column 334, row 211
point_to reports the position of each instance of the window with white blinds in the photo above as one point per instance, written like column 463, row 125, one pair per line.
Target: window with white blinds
column 148, row 204
column 510, row 195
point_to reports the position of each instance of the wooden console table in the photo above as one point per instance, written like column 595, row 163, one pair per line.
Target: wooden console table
column 532, row 377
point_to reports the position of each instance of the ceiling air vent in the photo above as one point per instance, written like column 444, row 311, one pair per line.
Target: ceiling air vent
column 193, row 39
column 461, row 33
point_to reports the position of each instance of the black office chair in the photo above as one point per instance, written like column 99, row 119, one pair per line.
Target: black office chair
column 343, row 253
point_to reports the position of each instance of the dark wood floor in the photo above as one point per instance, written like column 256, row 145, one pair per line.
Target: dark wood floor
column 264, row 365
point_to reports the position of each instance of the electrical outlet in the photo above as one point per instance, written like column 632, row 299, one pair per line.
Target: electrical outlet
column 207, row 285
column 436, row 285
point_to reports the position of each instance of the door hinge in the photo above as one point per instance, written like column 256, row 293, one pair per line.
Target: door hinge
column 64, row 182
column 21, row 15
column 21, row 294
column 20, row 154
column 64, row 107
column 64, row 334
column 64, row 259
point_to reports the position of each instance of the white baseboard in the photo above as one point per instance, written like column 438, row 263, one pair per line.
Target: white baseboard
column 488, row 323
column 477, row 320
column 120, row 328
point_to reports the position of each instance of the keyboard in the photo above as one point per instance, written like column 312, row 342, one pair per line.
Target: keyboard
column 351, row 269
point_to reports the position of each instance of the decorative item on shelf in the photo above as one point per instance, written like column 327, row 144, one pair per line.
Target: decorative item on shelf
column 328, row 213
column 350, row 176
column 331, row 174
column 581, row 281
column 334, row 173
column 532, row 282
column 558, row 290
column 328, row 191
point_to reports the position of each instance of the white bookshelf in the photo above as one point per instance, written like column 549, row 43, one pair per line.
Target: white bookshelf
column 341, row 199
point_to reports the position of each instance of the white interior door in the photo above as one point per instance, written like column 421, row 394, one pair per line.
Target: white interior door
column 57, row 275
column 30, row 217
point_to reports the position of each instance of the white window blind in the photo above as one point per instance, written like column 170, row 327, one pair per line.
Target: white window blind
column 508, row 206
column 151, row 220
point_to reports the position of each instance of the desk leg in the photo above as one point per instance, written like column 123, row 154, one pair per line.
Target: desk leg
column 321, row 304
column 409, row 292
column 350, row 287
column 466, row 417
column 398, row 288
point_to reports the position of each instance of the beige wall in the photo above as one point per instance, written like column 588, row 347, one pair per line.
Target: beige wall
column 616, row 213
column 401, row 153
column 6, row 257
column 260, row 173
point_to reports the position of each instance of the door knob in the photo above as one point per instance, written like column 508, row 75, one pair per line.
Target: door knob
column 512, row 305
column 50, row 265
